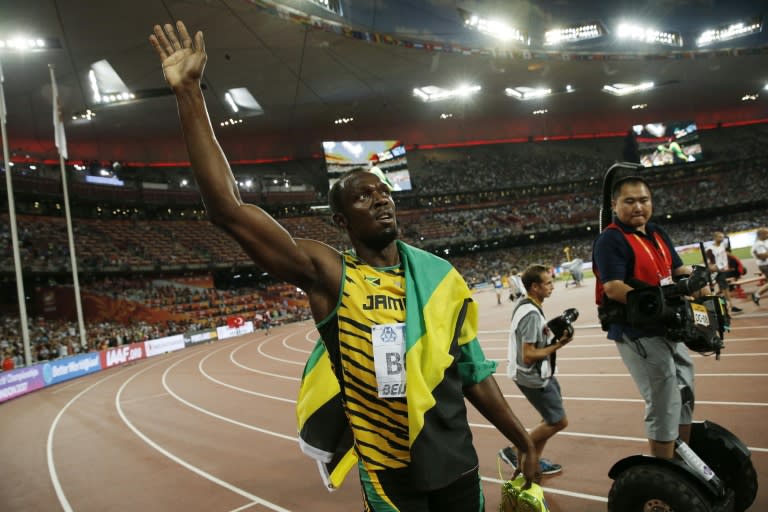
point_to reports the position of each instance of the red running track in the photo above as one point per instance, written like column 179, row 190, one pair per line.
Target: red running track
column 212, row 428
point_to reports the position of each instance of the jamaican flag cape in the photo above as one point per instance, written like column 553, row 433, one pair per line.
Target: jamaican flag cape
column 442, row 356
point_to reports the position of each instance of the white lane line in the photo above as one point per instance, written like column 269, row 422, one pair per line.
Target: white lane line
column 244, row 507
column 300, row 350
column 177, row 459
column 640, row 400
column 612, row 358
column 600, row 436
column 49, row 446
column 287, row 361
column 236, row 388
column 627, row 375
column 552, row 490
column 254, row 370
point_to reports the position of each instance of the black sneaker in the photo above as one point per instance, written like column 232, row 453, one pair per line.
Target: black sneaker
column 734, row 309
column 756, row 298
column 509, row 456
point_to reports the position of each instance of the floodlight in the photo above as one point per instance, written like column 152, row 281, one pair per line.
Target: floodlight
column 431, row 93
column 494, row 28
column 648, row 35
column 527, row 93
column 574, row 33
column 27, row 44
column 624, row 89
column 106, row 84
column 732, row 31
column 242, row 102
column 333, row 6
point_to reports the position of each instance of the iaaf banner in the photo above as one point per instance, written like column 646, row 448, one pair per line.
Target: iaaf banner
column 20, row 382
column 121, row 355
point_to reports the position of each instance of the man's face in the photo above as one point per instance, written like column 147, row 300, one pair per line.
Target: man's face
column 718, row 237
column 633, row 205
column 368, row 210
column 544, row 288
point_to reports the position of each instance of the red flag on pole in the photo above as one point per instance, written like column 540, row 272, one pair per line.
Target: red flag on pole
column 58, row 119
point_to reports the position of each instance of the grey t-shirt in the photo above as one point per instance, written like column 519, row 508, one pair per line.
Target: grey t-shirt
column 530, row 329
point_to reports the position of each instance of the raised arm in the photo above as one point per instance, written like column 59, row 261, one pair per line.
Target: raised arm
column 313, row 266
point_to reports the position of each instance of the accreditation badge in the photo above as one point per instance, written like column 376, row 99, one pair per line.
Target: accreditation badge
column 389, row 359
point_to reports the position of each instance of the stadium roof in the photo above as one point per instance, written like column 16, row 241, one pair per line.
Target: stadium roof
column 307, row 67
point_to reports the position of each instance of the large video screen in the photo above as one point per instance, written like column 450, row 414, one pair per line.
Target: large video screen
column 668, row 143
column 387, row 155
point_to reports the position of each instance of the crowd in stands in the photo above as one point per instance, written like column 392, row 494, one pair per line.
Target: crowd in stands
column 497, row 200
column 147, row 245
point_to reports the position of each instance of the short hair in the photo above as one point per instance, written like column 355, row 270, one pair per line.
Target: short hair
column 532, row 274
column 334, row 195
column 762, row 231
column 627, row 180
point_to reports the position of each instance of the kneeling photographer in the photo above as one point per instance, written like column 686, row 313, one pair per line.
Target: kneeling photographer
column 533, row 343
column 629, row 252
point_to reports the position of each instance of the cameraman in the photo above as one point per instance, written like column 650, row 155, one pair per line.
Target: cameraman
column 633, row 252
column 531, row 364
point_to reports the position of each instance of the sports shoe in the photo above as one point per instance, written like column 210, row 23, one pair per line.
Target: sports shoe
column 756, row 298
column 734, row 309
column 509, row 456
column 548, row 467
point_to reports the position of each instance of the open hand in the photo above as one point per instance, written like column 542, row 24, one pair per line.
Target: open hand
column 183, row 59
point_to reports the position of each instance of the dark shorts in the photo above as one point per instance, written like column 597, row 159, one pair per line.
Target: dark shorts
column 381, row 489
column 722, row 278
column 763, row 269
column 548, row 401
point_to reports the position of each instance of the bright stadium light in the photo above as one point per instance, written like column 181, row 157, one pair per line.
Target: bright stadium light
column 648, row 35
column 494, row 28
column 625, row 89
column 527, row 93
column 431, row 93
column 574, row 33
column 242, row 102
column 29, row 44
column 731, row 31
column 106, row 84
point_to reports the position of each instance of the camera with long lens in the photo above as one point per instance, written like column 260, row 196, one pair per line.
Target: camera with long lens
column 699, row 323
column 564, row 323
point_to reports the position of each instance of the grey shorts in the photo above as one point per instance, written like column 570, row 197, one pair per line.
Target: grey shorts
column 661, row 370
column 548, row 401
column 763, row 269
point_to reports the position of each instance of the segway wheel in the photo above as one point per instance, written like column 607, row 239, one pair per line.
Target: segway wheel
column 655, row 488
column 726, row 455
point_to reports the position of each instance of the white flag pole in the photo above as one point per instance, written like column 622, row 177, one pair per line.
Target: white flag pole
column 61, row 144
column 14, row 231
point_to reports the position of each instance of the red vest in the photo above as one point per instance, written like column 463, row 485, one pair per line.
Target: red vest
column 653, row 262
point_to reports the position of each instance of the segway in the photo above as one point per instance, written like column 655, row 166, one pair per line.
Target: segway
column 715, row 472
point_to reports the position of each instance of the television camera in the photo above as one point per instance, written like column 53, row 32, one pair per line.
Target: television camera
column 699, row 323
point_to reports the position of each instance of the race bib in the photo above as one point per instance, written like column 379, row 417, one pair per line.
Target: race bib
column 389, row 359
